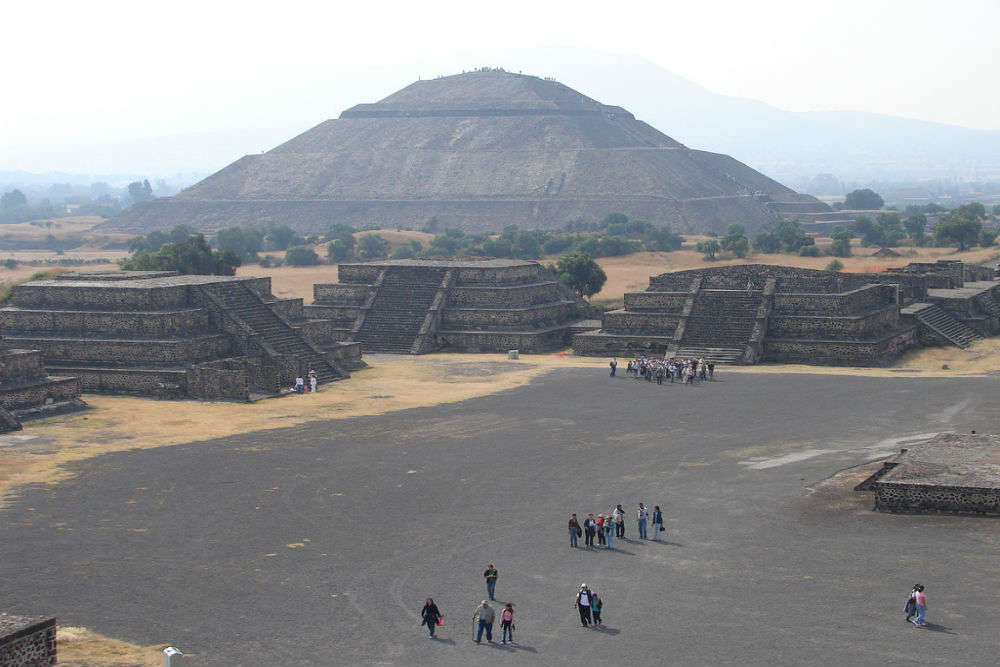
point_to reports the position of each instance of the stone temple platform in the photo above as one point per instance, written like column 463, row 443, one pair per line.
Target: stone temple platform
column 755, row 312
column 27, row 641
column 170, row 335
column 950, row 473
column 417, row 306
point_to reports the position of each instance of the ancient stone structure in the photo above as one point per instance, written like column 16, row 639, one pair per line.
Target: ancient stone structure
column 164, row 334
column 27, row 641
column 416, row 306
column 950, row 473
column 477, row 151
column 752, row 312
column 26, row 390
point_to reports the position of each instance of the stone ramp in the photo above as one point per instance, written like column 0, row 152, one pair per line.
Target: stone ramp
column 239, row 300
column 944, row 324
column 399, row 309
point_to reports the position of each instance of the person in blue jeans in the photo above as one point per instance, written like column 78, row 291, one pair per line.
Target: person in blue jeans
column 491, row 575
column 657, row 522
column 484, row 613
column 574, row 529
column 640, row 516
column 609, row 531
column 431, row 615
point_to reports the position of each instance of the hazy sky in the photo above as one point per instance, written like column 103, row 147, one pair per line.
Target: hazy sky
column 158, row 87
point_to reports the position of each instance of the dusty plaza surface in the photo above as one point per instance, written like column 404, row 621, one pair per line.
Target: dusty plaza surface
column 317, row 543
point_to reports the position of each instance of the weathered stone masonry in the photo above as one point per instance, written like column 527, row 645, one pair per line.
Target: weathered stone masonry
column 27, row 641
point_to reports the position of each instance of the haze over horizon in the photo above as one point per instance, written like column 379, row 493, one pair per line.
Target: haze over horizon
column 116, row 90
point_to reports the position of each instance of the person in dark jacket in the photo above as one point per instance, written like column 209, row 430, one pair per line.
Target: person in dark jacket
column 589, row 529
column 431, row 615
column 596, row 604
column 574, row 530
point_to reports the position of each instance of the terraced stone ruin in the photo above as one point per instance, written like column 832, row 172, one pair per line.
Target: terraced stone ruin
column 477, row 151
column 163, row 334
column 418, row 306
column 749, row 313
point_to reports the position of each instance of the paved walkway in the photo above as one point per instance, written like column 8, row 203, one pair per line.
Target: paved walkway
column 316, row 545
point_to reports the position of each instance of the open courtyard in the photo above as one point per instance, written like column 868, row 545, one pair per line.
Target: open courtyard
column 318, row 543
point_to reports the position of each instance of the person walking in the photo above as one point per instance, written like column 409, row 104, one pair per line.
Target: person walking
column 609, row 531
column 491, row 575
column 507, row 623
column 711, row 370
column 657, row 522
column 599, row 524
column 574, row 530
column 614, row 366
column 640, row 518
column 619, row 515
column 485, row 616
column 589, row 528
column 583, row 604
column 921, row 599
column 431, row 616
column 596, row 604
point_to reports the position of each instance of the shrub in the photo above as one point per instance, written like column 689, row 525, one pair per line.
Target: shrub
column 835, row 265
column 809, row 251
column 301, row 255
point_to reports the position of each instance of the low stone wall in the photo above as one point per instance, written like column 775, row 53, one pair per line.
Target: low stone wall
column 516, row 296
column 20, row 366
column 98, row 297
column 348, row 354
column 33, row 395
column 601, row 344
column 290, row 309
column 878, row 352
column 527, row 273
column 160, row 383
column 131, row 324
column 860, row 300
column 103, row 352
column 222, row 379
column 343, row 315
column 535, row 317
column 737, row 276
column 860, row 327
column 625, row 321
column 903, row 498
column 27, row 642
column 500, row 341
column 672, row 302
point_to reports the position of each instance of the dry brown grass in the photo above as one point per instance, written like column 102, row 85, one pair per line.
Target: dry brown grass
column 80, row 646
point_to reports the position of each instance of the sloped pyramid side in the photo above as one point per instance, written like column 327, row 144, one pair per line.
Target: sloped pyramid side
column 478, row 151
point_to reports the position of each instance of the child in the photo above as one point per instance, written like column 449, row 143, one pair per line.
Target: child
column 595, row 607
column 507, row 623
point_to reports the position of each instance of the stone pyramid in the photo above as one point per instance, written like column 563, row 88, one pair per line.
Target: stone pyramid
column 478, row 151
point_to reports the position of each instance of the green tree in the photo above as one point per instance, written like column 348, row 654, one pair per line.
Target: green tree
column 959, row 227
column 281, row 237
column 863, row 200
column 791, row 236
column 809, row 251
column 987, row 238
column 835, row 265
column 140, row 190
column 892, row 228
column 708, row 248
column 735, row 240
column 766, row 242
column 192, row 256
column 244, row 242
column 373, row 246
column 13, row 199
column 301, row 255
column 916, row 227
column 841, row 246
column 996, row 209
column 613, row 219
column 581, row 273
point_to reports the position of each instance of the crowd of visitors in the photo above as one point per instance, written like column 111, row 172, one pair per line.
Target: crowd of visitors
column 606, row 527
column 673, row 370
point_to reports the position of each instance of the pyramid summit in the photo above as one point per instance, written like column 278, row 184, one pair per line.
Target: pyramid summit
column 477, row 151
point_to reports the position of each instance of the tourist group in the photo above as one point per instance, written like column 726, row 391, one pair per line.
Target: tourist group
column 607, row 527
column 674, row 370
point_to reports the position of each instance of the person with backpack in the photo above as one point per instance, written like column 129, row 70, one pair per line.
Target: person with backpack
column 485, row 615
column 574, row 530
column 596, row 604
column 583, row 604
column 431, row 616
column 491, row 575
column 589, row 528
column 657, row 522
column 507, row 623
column 619, row 515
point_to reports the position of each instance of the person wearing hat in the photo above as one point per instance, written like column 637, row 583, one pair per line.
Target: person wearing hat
column 582, row 604
column 484, row 613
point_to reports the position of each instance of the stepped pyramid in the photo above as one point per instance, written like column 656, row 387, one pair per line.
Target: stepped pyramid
column 478, row 151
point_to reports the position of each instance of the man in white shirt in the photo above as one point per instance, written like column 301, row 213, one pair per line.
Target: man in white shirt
column 583, row 604
column 640, row 516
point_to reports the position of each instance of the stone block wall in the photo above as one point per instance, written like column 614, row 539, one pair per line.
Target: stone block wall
column 66, row 295
column 225, row 379
column 533, row 317
column 840, row 352
column 18, row 366
column 871, row 325
column 853, row 302
column 672, row 302
column 493, row 341
column 903, row 498
column 625, row 321
column 27, row 642
column 137, row 324
column 604, row 344
column 52, row 389
column 503, row 296
column 340, row 294
column 103, row 352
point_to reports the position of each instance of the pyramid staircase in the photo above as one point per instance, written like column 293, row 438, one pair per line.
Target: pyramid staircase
column 399, row 309
column 238, row 300
column 940, row 321
column 720, row 325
